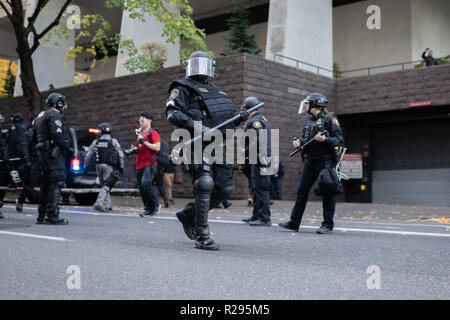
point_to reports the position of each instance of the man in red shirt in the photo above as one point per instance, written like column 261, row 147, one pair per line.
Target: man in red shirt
column 148, row 145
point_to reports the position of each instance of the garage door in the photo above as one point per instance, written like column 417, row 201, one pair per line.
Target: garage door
column 411, row 163
column 412, row 187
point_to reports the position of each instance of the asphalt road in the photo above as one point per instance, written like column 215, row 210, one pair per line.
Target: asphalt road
column 123, row 256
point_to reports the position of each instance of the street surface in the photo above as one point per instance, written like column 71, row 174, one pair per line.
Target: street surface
column 400, row 252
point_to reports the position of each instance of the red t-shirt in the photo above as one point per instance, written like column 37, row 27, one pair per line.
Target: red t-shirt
column 145, row 155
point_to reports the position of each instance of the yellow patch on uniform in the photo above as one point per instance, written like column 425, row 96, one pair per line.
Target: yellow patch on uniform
column 319, row 121
column 170, row 103
column 265, row 119
column 336, row 122
column 173, row 94
column 256, row 124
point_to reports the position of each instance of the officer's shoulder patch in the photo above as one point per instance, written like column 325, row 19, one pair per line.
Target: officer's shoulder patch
column 265, row 119
column 58, row 123
column 319, row 121
column 256, row 124
column 336, row 122
column 170, row 103
column 174, row 93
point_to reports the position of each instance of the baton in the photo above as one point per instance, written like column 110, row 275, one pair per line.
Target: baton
column 223, row 124
column 293, row 153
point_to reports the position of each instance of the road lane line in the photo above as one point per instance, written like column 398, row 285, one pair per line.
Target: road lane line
column 399, row 232
column 29, row 235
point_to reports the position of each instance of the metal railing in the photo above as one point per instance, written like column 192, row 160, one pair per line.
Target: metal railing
column 298, row 62
column 369, row 70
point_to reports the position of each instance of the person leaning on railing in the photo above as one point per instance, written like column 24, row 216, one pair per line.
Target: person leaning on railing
column 427, row 55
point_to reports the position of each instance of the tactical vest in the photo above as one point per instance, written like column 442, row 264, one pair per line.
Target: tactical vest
column 105, row 152
column 215, row 105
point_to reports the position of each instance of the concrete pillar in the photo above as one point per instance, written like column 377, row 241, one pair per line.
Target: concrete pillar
column 141, row 33
column 49, row 65
column 301, row 30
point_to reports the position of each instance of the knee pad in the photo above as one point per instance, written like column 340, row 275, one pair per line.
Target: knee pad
column 204, row 183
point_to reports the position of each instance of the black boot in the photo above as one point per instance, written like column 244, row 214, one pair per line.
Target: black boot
column 201, row 212
column 52, row 206
column 2, row 216
column 187, row 219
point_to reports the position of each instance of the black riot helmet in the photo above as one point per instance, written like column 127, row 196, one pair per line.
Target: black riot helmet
column 17, row 117
column 105, row 127
column 313, row 100
column 56, row 100
column 250, row 102
column 200, row 66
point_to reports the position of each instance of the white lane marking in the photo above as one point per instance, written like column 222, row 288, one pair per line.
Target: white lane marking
column 274, row 224
column 136, row 214
column 29, row 235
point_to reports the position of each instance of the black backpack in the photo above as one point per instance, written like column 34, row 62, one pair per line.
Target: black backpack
column 163, row 155
column 328, row 183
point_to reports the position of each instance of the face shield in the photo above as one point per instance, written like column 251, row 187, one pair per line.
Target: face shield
column 304, row 107
column 200, row 66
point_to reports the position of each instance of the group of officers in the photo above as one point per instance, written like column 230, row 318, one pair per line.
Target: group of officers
column 191, row 99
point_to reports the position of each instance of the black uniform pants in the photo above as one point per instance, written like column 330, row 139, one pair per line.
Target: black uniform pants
column 261, row 194
column 222, row 175
column 53, row 176
column 307, row 176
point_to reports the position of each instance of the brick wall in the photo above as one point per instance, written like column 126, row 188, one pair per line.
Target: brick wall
column 280, row 87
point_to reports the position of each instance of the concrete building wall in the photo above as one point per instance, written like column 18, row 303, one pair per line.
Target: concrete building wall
column 301, row 30
column 216, row 42
column 430, row 27
column 355, row 46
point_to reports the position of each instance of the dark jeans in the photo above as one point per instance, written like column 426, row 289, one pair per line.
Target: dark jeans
column 306, row 179
column 275, row 187
column 261, row 194
column 144, row 179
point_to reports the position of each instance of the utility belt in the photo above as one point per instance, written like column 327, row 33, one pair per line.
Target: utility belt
column 48, row 146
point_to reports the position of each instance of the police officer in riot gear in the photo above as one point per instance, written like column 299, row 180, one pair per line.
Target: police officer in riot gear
column 317, row 155
column 190, row 99
column 109, row 161
column 19, row 148
column 4, row 165
column 53, row 142
column 259, row 170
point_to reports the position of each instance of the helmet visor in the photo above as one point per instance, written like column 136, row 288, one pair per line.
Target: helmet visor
column 304, row 107
column 200, row 66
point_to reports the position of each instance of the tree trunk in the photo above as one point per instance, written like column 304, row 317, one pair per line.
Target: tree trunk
column 29, row 86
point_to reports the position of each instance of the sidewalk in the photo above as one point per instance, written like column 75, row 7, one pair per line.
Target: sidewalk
column 347, row 211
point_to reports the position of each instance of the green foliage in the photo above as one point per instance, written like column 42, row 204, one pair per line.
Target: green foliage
column 10, row 80
column 337, row 71
column 175, row 15
column 152, row 58
column 239, row 39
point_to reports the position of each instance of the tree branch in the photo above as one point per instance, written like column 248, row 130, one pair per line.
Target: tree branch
column 40, row 5
column 55, row 22
column 6, row 9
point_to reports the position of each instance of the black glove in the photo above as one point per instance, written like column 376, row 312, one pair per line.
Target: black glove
column 141, row 141
column 120, row 171
column 244, row 114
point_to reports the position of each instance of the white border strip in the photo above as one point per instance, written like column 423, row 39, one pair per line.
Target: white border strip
column 28, row 235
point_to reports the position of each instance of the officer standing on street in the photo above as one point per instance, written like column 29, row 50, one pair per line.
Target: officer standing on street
column 53, row 141
column 317, row 155
column 190, row 99
column 109, row 164
column 260, row 182
column 4, row 166
column 19, row 148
